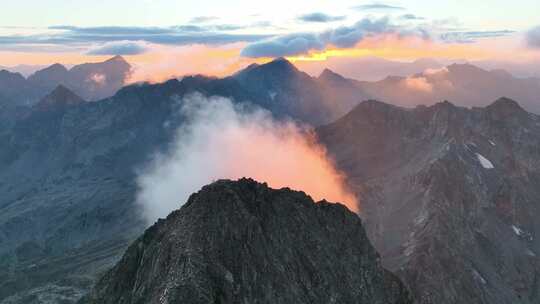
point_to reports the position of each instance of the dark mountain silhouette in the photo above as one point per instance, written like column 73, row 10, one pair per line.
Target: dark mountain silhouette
column 15, row 90
column 91, row 81
column 281, row 87
column 60, row 97
column 449, row 195
column 23, row 69
column 242, row 242
column 48, row 78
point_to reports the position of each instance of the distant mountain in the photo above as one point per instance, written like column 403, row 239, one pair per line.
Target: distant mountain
column 463, row 84
column 242, row 242
column 370, row 68
column 49, row 77
column 14, row 89
column 91, row 81
column 23, row 69
column 60, row 97
column 282, row 88
column 449, row 196
column 94, row 81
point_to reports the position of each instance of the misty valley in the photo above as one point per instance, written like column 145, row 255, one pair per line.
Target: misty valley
column 302, row 159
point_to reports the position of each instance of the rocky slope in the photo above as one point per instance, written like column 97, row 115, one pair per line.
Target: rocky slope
column 67, row 182
column 242, row 242
column 67, row 178
column 449, row 194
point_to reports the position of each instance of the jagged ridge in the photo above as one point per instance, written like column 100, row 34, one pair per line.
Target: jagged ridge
column 242, row 242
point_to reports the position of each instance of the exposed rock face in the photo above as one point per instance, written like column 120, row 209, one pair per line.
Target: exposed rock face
column 450, row 196
column 242, row 242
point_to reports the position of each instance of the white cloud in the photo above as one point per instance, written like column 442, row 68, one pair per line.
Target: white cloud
column 220, row 140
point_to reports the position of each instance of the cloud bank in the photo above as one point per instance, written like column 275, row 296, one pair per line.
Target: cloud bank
column 341, row 37
column 120, row 48
column 221, row 139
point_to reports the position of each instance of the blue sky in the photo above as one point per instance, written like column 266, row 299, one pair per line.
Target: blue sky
column 489, row 15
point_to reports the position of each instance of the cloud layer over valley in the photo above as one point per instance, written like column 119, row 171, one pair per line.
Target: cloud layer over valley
column 223, row 140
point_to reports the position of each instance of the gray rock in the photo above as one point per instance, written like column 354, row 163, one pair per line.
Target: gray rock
column 242, row 242
column 449, row 196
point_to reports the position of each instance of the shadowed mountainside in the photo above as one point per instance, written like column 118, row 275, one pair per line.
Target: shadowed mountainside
column 449, row 195
column 242, row 242
column 91, row 81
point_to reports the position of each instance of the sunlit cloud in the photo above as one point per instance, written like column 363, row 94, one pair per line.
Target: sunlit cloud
column 166, row 62
column 120, row 48
column 339, row 37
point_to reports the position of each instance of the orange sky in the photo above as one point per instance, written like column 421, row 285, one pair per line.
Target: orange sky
column 164, row 62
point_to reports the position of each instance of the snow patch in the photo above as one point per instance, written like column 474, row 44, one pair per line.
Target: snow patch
column 408, row 251
column 484, row 161
column 492, row 143
column 98, row 79
column 272, row 95
column 479, row 277
column 517, row 230
column 420, row 219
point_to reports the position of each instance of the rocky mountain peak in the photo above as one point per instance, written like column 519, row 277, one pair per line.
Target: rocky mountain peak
column 370, row 107
column 328, row 75
column 57, row 67
column 60, row 97
column 55, row 71
column 6, row 76
column 505, row 107
column 281, row 64
column 505, row 103
column 243, row 242
column 117, row 58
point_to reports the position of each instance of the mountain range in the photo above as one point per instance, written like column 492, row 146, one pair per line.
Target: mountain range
column 449, row 195
column 447, row 192
column 91, row 81
column 463, row 84
column 24, row 69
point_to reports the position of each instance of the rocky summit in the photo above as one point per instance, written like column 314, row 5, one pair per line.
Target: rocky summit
column 243, row 242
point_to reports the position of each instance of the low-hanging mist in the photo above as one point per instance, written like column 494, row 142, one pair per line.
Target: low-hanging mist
column 223, row 140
